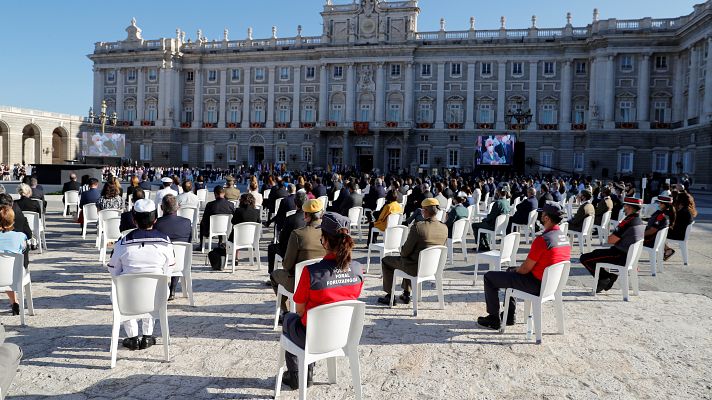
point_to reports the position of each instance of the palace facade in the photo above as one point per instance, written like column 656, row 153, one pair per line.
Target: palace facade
column 613, row 96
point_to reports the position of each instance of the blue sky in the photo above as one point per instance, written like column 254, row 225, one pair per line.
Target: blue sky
column 44, row 43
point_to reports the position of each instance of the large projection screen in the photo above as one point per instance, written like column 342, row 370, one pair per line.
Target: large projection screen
column 97, row 144
column 495, row 149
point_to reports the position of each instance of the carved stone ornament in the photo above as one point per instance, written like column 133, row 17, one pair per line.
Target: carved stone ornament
column 363, row 141
column 365, row 83
column 133, row 31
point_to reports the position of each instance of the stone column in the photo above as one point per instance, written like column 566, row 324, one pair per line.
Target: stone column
column 566, row 86
column 120, row 94
column 610, row 94
column 501, row 93
column 198, row 99
column 533, row 83
column 223, row 98
column 247, row 78
column 323, row 95
column 350, row 95
column 380, row 94
column 270, row 98
column 140, row 95
column 470, row 100
column 440, row 98
column 377, row 156
column 347, row 149
column 707, row 101
column 160, row 110
column 409, row 92
column 693, row 86
column 98, row 90
column 296, row 97
column 678, row 89
column 643, row 105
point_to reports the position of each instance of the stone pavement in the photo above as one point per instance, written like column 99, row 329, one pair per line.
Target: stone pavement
column 658, row 345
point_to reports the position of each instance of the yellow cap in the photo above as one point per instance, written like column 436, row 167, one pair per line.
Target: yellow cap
column 312, row 206
column 430, row 202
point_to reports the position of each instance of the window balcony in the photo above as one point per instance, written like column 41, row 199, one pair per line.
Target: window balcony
column 307, row 125
column 516, row 127
column 454, row 125
column 185, row 124
column 626, row 125
column 282, row 125
column 332, row 124
column 391, row 124
column 361, row 127
column 233, row 125
column 148, row 123
column 257, row 124
column 548, row 127
column 210, row 125
column 124, row 123
column 660, row 125
column 578, row 127
column 425, row 125
column 485, row 125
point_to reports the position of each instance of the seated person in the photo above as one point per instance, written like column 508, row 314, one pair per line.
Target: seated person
column 456, row 213
column 25, row 202
column 381, row 223
column 216, row 207
column 659, row 220
column 500, row 207
column 127, row 221
column 685, row 213
column 293, row 222
column 585, row 209
column 10, row 356
column 177, row 228
column 521, row 216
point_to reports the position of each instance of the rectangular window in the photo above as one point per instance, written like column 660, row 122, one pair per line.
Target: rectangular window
column 625, row 161
column 395, row 70
column 212, row 75
column 453, row 158
column 394, row 163
column 145, row 152
column 189, row 76
column 578, row 161
column 455, row 69
column 211, row 113
column 234, row 114
column 485, row 116
column 307, row 155
column 424, row 157
column 310, row 73
column 338, row 72
column 130, row 112
column 661, row 63
column 548, row 68
column 209, row 153
column 517, row 68
column 336, row 112
column 394, row 112
column 152, row 75
column 545, row 159
column 281, row 154
column 626, row 112
column 425, row 112
column 365, row 113
column 185, row 152
column 283, row 116
column 426, row 70
column 259, row 113
column 486, row 69
column 454, row 113
column 151, row 112
column 626, row 63
column 688, row 162
column 188, row 114
column 660, row 111
column 234, row 74
column 131, row 75
column 579, row 114
column 660, row 162
column 232, row 153
column 309, row 115
column 283, row 73
column 580, row 68
column 548, row 114
column 110, row 76
column 259, row 74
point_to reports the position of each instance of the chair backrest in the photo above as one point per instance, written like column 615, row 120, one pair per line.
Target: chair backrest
column 71, row 197
column 531, row 220
column 500, row 224
column 355, row 214
column 459, row 229
column 39, row 202
column 324, row 201
column 551, row 281
column 508, row 244
column 136, row 294
column 634, row 252
column 110, row 229
column 33, row 220
column 472, row 212
column 290, row 213
column 235, row 203
column 15, row 196
column 336, row 194
column 606, row 219
column 393, row 237
column 660, row 238
column 564, row 227
column 380, row 202
column 202, row 195
column 265, row 194
column 127, row 231
column 440, row 215
column 220, row 223
column 448, row 204
column 246, row 234
column 277, row 202
column 334, row 326
column 688, row 230
column 299, row 267
column 431, row 260
column 394, row 219
column 11, row 269
column 109, row 213
column 587, row 225
column 184, row 257
column 90, row 213
column 188, row 212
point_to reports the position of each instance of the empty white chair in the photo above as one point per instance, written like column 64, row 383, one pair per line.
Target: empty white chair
column 333, row 330
column 35, row 222
column 71, row 199
column 393, row 239
column 90, row 215
column 584, row 237
column 459, row 235
column 500, row 229
column 147, row 194
column 192, row 214
column 624, row 271
column 183, row 268
column 602, row 230
column 355, row 216
column 487, row 208
column 496, row 258
column 683, row 243
column 14, row 276
column 104, row 215
column 431, row 262
column 246, row 236
column 282, row 291
column 485, row 201
column 202, row 197
column 657, row 252
column 529, row 229
column 220, row 225
column 136, row 296
column 552, row 284
column 110, row 234
column 570, row 206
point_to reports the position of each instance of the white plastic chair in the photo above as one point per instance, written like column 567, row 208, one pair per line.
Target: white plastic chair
column 431, row 262
column 35, row 222
column 183, row 268
column 459, row 235
column 440, row 215
column 110, row 234
column 393, row 239
column 147, row 194
column 485, row 202
column 380, row 202
column 333, row 330
column 614, row 224
column 90, row 215
column 71, row 199
column 104, row 215
column 134, row 296
column 529, row 230
column 282, row 291
column 630, row 267
column 583, row 237
column 355, row 215
column 394, row 219
column 496, row 258
column 682, row 244
column 14, row 276
column 202, row 197
column 513, row 207
column 657, row 252
column 564, row 227
column 500, row 229
column 245, row 236
column 552, row 285
column 192, row 214
column 602, row 230
column 220, row 225
column 324, row 201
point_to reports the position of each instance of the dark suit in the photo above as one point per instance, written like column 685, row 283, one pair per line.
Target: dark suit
column 292, row 222
column 521, row 216
column 215, row 207
column 336, row 204
column 27, row 204
column 319, row 190
column 127, row 221
column 244, row 214
column 351, row 200
column 69, row 186
column 89, row 197
column 287, row 204
column 274, row 194
column 373, row 195
column 178, row 229
column 145, row 185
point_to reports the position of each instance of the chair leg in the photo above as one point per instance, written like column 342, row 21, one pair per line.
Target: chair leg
column 654, row 263
column 280, row 371
column 368, row 257
column 464, row 248
column 165, row 334
column 623, row 279
column 258, row 257
column 634, row 281
column 303, row 367
column 528, row 308
column 393, row 290
column 22, row 304
column 559, row 307
column 188, row 285
column 276, row 311
column 441, row 295
column 474, row 272
column 683, row 250
column 416, row 295
column 503, row 322
column 537, row 320
column 355, row 373
column 114, row 341
column 331, row 369
column 28, row 297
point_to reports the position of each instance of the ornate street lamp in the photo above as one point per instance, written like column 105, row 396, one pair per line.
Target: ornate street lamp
column 102, row 118
column 523, row 117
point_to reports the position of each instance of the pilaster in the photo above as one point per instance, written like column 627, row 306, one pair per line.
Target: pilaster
column 223, row 98
column 270, row 97
column 501, row 93
column 380, row 94
column 470, row 100
column 296, row 97
column 440, row 98
column 566, row 87
column 533, row 83
column 643, row 106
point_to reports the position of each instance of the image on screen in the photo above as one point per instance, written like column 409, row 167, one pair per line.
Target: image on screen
column 97, row 144
column 495, row 149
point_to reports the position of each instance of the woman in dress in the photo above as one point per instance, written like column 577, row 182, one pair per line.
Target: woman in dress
column 110, row 198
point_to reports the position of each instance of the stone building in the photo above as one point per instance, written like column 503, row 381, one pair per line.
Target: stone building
column 613, row 96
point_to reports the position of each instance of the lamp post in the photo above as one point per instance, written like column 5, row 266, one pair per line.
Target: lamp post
column 523, row 117
column 103, row 118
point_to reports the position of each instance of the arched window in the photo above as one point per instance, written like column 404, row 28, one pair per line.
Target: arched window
column 211, row 111
column 151, row 113
column 425, row 110
column 337, row 107
column 454, row 110
column 130, row 109
column 365, row 107
column 394, row 108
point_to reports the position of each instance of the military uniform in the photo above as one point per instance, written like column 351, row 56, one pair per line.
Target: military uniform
column 659, row 220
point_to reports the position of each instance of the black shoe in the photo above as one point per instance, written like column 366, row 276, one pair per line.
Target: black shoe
column 603, row 284
column 280, row 321
column 291, row 379
column 386, row 300
column 268, row 282
column 483, row 249
column 489, row 322
column 611, row 281
column 405, row 298
column 171, row 297
column 669, row 253
column 146, row 342
column 131, row 343
column 511, row 319
column 16, row 309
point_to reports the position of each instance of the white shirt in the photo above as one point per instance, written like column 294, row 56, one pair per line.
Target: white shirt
column 161, row 193
column 143, row 252
column 188, row 199
column 258, row 198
